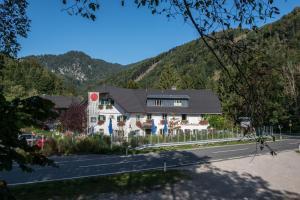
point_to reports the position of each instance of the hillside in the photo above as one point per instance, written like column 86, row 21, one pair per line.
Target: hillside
column 77, row 67
column 25, row 78
column 195, row 64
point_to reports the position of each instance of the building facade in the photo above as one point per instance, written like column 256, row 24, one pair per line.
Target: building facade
column 137, row 111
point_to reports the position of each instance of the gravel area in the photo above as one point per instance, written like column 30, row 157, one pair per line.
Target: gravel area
column 259, row 177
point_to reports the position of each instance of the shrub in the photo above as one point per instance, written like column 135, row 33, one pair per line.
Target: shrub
column 65, row 145
column 88, row 145
column 50, row 147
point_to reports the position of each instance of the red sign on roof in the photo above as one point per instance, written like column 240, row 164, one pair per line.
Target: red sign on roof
column 94, row 96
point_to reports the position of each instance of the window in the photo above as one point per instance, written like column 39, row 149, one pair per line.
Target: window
column 183, row 117
column 164, row 116
column 105, row 101
column 111, row 102
column 138, row 117
column 93, row 119
column 157, row 102
column 101, row 117
column 177, row 103
column 121, row 118
column 149, row 116
column 101, row 131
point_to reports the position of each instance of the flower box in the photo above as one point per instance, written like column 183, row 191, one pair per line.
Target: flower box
column 203, row 122
column 109, row 107
column 139, row 124
column 163, row 121
column 100, row 122
column 100, row 107
column 184, row 121
column 121, row 123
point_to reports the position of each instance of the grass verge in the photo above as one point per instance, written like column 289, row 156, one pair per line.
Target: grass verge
column 188, row 147
column 86, row 188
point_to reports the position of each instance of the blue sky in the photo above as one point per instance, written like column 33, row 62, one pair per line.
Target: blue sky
column 120, row 34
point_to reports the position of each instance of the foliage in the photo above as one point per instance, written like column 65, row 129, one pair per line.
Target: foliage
column 14, row 24
column 168, row 78
column 76, row 68
column 97, row 144
column 132, row 85
column 218, row 122
column 15, row 115
column 74, row 119
column 25, row 78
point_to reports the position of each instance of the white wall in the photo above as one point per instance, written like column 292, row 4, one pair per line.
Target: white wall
column 130, row 123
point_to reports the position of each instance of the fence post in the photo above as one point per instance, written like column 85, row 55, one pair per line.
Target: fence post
column 197, row 134
column 206, row 134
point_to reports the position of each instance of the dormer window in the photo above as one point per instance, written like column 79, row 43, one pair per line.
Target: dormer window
column 177, row 103
column 105, row 101
column 157, row 102
column 165, row 100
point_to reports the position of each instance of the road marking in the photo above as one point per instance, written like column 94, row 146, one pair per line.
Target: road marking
column 140, row 170
column 295, row 143
column 230, row 150
column 118, row 163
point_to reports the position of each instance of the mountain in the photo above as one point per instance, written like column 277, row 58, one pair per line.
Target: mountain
column 77, row 67
column 196, row 65
column 25, row 77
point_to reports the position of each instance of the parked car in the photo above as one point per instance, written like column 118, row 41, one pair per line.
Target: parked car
column 29, row 137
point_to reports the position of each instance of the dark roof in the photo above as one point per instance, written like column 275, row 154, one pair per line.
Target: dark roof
column 62, row 102
column 167, row 96
column 134, row 100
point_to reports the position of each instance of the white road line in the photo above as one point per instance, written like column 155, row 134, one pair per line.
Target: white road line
column 139, row 170
column 230, row 150
column 118, row 163
column 295, row 143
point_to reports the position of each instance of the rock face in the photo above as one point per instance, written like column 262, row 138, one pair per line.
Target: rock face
column 78, row 66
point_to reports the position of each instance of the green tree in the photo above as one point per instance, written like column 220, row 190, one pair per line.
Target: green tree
column 14, row 24
column 132, row 85
column 169, row 78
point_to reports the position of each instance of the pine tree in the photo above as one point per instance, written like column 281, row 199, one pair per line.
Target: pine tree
column 169, row 78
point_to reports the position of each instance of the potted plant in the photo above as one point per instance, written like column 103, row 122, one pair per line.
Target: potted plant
column 184, row 121
column 203, row 122
column 100, row 107
column 109, row 106
column 163, row 121
column 121, row 123
column 100, row 122
column 139, row 124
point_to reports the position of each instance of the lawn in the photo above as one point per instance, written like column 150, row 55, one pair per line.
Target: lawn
column 85, row 187
column 189, row 146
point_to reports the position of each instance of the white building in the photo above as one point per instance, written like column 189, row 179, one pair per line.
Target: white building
column 133, row 110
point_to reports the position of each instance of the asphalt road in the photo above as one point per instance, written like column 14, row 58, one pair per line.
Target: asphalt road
column 78, row 166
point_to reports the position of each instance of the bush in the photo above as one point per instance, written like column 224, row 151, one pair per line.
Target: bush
column 50, row 147
column 65, row 145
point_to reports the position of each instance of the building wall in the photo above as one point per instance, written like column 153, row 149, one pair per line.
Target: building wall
column 130, row 123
